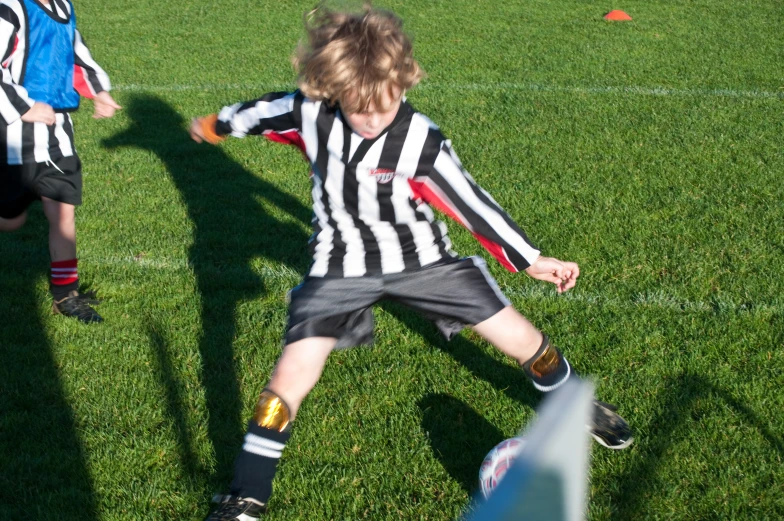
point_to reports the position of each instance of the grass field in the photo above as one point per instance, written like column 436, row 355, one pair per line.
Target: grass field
column 650, row 152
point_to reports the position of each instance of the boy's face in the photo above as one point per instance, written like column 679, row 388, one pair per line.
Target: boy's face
column 371, row 123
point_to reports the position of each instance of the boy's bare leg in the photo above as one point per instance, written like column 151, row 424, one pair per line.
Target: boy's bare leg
column 299, row 368
column 296, row 373
column 511, row 333
column 64, row 284
column 62, row 229
column 9, row 225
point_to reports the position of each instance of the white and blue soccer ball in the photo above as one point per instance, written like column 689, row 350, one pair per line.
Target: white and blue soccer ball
column 497, row 462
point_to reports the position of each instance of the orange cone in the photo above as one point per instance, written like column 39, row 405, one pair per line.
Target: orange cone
column 617, row 15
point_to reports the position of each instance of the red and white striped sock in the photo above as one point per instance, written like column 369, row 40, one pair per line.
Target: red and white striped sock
column 65, row 277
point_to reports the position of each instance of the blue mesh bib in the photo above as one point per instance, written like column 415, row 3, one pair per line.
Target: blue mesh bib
column 50, row 58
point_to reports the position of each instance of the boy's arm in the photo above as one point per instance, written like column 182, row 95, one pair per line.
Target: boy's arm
column 451, row 189
column 14, row 101
column 91, row 81
column 275, row 115
column 89, row 78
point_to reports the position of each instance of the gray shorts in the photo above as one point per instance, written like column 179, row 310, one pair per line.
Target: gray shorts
column 452, row 294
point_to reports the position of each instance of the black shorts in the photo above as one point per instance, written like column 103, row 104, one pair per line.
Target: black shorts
column 452, row 294
column 20, row 185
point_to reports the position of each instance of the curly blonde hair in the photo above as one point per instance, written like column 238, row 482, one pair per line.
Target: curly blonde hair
column 354, row 59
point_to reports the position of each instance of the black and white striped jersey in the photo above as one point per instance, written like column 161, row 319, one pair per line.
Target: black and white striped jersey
column 372, row 198
column 36, row 141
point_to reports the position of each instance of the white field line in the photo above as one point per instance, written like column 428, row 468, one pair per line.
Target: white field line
column 493, row 86
column 658, row 299
column 169, row 264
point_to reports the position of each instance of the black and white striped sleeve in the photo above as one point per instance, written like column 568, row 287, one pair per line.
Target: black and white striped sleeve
column 275, row 113
column 89, row 77
column 450, row 188
column 14, row 100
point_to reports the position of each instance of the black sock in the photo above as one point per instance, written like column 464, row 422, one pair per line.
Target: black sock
column 255, row 466
column 59, row 292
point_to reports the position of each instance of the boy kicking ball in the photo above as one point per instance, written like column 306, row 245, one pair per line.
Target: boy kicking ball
column 378, row 169
column 45, row 61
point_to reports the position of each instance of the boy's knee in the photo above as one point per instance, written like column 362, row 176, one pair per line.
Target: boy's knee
column 9, row 225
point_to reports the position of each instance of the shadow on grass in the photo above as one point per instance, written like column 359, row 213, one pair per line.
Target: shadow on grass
column 174, row 403
column 680, row 403
column 460, row 437
column 43, row 472
column 231, row 228
column 446, row 419
column 508, row 379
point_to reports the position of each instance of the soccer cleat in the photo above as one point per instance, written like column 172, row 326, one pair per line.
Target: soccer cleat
column 78, row 305
column 608, row 428
column 233, row 508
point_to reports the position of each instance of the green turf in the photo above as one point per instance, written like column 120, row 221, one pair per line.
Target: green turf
column 651, row 152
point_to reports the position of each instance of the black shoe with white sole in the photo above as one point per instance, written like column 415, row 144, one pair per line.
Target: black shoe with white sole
column 79, row 306
column 233, row 508
column 609, row 428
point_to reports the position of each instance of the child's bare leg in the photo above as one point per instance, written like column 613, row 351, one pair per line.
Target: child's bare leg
column 64, row 281
column 511, row 333
column 298, row 369
column 296, row 372
column 62, row 229
column 9, row 225
column 544, row 364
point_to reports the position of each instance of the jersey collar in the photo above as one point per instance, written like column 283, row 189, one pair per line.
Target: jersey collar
column 58, row 10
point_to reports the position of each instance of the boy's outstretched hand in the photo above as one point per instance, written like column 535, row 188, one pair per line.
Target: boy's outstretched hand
column 105, row 106
column 203, row 129
column 562, row 274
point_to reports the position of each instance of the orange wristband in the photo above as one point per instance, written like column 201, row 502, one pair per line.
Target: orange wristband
column 207, row 124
